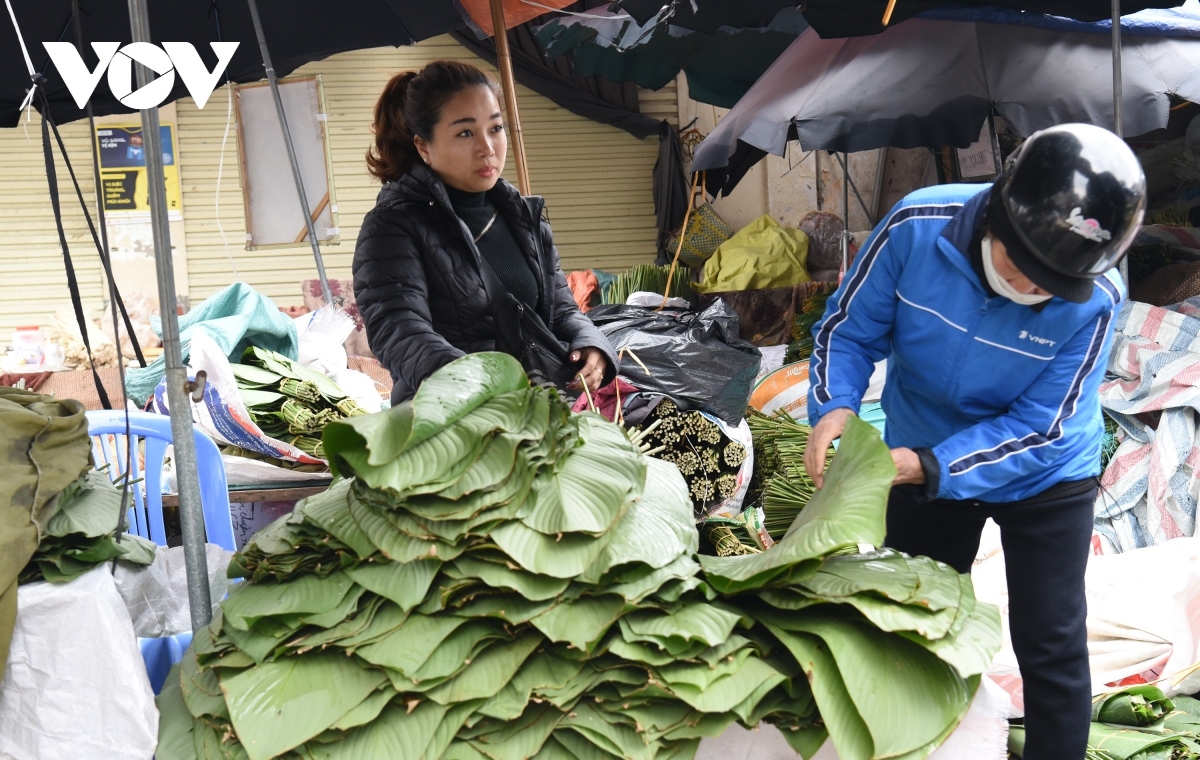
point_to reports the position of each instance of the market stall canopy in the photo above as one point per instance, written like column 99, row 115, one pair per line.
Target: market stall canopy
column 720, row 66
column 299, row 31
column 857, row 18
column 932, row 83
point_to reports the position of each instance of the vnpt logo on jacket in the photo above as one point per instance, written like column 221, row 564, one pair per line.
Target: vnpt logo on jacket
column 1025, row 335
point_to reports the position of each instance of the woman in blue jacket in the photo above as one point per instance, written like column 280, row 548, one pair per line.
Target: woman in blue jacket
column 994, row 307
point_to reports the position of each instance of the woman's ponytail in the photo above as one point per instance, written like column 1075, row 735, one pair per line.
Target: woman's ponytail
column 394, row 152
column 410, row 107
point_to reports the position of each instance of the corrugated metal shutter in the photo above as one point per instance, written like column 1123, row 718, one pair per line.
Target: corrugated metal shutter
column 596, row 179
column 33, row 282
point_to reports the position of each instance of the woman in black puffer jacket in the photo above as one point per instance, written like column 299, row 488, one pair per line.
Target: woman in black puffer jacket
column 443, row 211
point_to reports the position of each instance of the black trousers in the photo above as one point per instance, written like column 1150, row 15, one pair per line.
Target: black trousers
column 1046, row 545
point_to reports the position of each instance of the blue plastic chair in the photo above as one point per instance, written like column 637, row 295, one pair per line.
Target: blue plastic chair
column 107, row 429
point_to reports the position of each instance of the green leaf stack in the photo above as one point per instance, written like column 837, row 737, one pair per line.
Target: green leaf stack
column 494, row 577
column 82, row 533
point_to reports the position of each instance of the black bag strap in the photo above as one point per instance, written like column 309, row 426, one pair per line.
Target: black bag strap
column 72, row 280
column 515, row 324
column 105, row 259
column 507, row 322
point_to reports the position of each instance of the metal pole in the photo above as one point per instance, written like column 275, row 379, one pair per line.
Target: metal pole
column 877, row 198
column 191, row 514
column 504, row 62
column 1116, row 61
column 291, row 149
column 1118, row 125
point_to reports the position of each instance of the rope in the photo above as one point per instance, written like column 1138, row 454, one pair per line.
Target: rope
column 682, row 234
column 24, row 52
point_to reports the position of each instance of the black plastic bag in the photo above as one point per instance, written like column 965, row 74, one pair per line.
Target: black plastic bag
column 695, row 358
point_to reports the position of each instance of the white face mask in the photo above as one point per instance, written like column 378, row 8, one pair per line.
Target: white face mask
column 1000, row 285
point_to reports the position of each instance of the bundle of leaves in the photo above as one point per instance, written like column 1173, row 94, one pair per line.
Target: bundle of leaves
column 812, row 308
column 649, row 278
column 290, row 402
column 780, row 485
column 497, row 578
column 1136, row 723
column 83, row 533
column 708, row 458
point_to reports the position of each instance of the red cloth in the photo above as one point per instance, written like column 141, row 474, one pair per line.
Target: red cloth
column 584, row 287
column 605, row 399
column 33, row 380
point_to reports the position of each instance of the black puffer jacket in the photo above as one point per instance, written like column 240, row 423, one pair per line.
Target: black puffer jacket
column 418, row 284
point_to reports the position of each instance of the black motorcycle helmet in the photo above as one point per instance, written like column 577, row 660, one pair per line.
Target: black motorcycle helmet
column 1067, row 206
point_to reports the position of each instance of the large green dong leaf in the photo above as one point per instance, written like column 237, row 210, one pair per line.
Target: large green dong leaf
column 849, row 510
column 444, row 398
column 280, row 705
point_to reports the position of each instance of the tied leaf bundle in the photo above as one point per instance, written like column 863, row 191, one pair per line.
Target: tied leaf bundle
column 497, row 578
column 708, row 458
column 1141, row 723
column 812, row 308
column 82, row 533
column 1136, row 723
column 290, row 402
column 649, row 278
column 781, row 484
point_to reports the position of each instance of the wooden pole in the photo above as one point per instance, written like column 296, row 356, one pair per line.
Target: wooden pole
column 504, row 61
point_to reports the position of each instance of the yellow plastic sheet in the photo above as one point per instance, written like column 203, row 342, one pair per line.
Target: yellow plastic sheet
column 763, row 254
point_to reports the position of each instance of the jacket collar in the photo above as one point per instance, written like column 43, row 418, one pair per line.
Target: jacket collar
column 955, row 240
column 421, row 184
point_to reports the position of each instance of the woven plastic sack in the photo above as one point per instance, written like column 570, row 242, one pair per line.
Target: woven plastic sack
column 705, row 233
column 1170, row 284
column 824, row 230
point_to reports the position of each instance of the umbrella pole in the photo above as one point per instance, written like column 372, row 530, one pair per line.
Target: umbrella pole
column 305, row 209
column 1117, row 75
column 504, row 61
column 191, row 513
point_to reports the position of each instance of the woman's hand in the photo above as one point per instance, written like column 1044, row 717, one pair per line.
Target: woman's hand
column 593, row 368
column 908, row 467
column 819, row 441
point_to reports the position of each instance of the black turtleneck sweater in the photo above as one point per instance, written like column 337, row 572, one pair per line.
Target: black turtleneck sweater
column 497, row 246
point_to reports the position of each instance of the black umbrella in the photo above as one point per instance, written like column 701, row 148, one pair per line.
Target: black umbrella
column 706, row 16
column 299, row 31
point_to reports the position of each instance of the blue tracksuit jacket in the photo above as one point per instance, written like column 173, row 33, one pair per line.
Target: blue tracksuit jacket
column 1005, row 396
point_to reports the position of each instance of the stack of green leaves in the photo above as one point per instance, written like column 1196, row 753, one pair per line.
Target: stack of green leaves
column 892, row 646
column 497, row 578
column 290, row 402
column 83, row 533
column 1136, row 723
